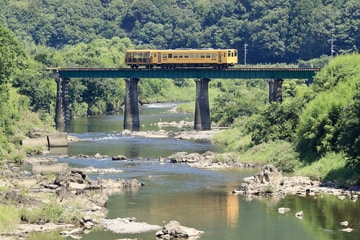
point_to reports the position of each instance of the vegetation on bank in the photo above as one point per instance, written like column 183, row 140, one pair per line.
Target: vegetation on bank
column 315, row 131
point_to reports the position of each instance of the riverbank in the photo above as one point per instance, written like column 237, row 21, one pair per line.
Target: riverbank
column 84, row 200
column 54, row 197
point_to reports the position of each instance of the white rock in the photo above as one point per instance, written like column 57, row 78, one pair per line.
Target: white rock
column 344, row 223
column 283, row 210
column 299, row 214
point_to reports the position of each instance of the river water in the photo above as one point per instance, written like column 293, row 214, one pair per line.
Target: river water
column 197, row 198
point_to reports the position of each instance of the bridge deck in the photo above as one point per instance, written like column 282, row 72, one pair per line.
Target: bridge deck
column 232, row 73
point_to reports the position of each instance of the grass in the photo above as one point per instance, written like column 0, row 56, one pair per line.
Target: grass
column 330, row 167
column 233, row 139
column 9, row 217
column 50, row 212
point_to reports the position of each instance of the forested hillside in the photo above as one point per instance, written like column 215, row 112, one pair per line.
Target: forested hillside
column 274, row 31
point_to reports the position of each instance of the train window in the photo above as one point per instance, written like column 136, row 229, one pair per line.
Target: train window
column 164, row 55
column 207, row 55
column 202, row 55
column 192, row 55
column 180, row 55
column 197, row 55
column 186, row 55
column 175, row 55
column 170, row 55
column 213, row 55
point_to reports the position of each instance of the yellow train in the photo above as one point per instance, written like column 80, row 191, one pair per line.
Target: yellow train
column 170, row 59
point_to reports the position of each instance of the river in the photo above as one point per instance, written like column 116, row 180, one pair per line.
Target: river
column 197, row 198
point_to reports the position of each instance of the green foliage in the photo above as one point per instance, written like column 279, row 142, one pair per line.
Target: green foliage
column 234, row 139
column 9, row 217
column 279, row 153
column 284, row 157
column 38, row 87
column 238, row 98
column 107, row 53
column 275, row 31
column 12, row 56
column 320, row 121
column 276, row 122
column 50, row 212
column 16, row 121
column 349, row 130
column 15, row 118
column 330, row 167
column 166, row 90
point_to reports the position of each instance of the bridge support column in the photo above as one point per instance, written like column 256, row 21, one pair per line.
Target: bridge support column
column 275, row 90
column 202, row 110
column 62, row 115
column 131, row 115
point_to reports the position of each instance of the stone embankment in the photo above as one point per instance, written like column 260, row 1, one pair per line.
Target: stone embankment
column 40, row 137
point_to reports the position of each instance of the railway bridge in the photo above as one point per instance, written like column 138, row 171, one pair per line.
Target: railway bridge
column 274, row 76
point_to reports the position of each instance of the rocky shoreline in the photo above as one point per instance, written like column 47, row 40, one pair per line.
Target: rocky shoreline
column 82, row 199
column 77, row 193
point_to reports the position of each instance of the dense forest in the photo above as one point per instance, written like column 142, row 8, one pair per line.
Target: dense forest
column 274, row 31
column 315, row 131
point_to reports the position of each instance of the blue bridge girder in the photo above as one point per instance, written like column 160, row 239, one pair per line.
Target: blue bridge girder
column 195, row 73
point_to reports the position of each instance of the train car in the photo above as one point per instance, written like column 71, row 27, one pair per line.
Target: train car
column 170, row 59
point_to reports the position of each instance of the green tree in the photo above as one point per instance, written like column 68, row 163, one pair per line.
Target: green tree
column 349, row 128
column 333, row 90
column 12, row 55
column 276, row 122
column 238, row 99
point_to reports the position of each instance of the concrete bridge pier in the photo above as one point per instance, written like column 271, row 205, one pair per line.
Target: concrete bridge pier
column 131, row 114
column 62, row 115
column 275, row 90
column 202, row 110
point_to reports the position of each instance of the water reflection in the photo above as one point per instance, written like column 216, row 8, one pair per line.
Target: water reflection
column 232, row 208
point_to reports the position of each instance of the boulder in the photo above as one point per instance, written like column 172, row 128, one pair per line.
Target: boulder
column 119, row 157
column 174, row 230
column 127, row 225
column 299, row 214
column 283, row 210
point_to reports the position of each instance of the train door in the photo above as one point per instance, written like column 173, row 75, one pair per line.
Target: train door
column 219, row 57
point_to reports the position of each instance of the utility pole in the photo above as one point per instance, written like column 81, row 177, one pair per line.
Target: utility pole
column 245, row 52
column 332, row 51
